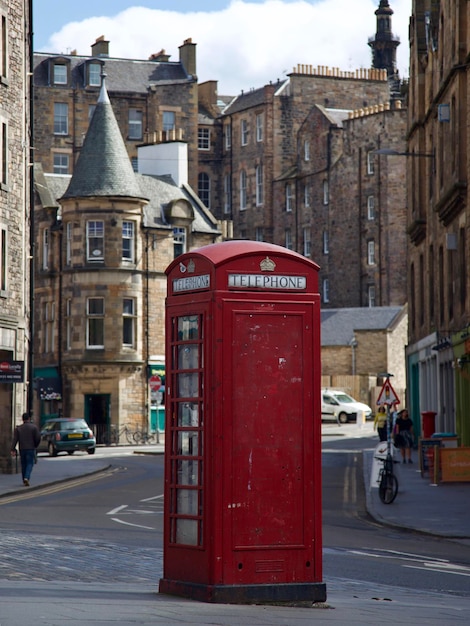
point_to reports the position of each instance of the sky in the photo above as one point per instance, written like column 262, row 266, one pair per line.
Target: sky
column 242, row 44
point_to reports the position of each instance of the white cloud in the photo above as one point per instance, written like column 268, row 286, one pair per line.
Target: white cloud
column 246, row 45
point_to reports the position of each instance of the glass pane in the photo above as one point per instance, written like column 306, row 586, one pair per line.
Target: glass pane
column 95, row 332
column 187, row 502
column 188, row 414
column 128, row 306
column 188, row 443
column 95, row 306
column 186, row 531
column 188, row 385
column 188, row 328
column 187, row 473
column 188, row 356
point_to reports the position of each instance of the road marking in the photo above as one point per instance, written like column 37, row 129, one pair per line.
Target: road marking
column 124, row 509
column 427, row 564
column 117, row 509
column 120, row 521
column 153, row 498
column 451, row 569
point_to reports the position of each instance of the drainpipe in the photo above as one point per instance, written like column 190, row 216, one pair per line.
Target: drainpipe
column 353, row 344
column 30, row 391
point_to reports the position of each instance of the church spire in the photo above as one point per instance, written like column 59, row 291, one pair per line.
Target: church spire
column 384, row 44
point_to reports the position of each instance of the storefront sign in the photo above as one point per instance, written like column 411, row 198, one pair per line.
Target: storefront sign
column 267, row 281
column 12, row 372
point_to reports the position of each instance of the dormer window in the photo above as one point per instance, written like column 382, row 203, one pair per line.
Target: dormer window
column 94, row 74
column 59, row 71
column 60, row 74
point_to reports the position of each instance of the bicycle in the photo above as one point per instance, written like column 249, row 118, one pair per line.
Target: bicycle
column 114, row 435
column 388, row 482
column 143, row 436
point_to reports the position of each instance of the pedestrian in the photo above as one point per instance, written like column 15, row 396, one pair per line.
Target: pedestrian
column 380, row 422
column 27, row 436
column 404, row 435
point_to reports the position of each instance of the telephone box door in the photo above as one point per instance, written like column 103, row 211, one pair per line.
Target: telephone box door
column 269, row 447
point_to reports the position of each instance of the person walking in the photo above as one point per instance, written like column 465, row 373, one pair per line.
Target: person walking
column 404, row 435
column 27, row 436
column 380, row 422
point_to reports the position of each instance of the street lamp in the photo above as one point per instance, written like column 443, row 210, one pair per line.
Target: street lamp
column 391, row 152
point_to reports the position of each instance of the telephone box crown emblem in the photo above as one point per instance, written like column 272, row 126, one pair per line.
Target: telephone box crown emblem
column 187, row 268
column 267, row 265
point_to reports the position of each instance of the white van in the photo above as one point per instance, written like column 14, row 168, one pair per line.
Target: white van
column 339, row 407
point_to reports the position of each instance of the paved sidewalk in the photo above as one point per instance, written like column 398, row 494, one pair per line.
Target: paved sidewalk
column 440, row 510
column 49, row 471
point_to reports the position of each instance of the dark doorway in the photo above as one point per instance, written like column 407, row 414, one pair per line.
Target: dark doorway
column 97, row 415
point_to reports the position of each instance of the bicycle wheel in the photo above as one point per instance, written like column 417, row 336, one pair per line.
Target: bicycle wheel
column 388, row 488
column 152, row 438
column 129, row 437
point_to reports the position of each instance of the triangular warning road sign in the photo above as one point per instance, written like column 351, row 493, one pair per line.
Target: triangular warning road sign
column 387, row 394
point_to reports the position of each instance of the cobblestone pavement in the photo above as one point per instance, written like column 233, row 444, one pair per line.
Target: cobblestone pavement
column 44, row 558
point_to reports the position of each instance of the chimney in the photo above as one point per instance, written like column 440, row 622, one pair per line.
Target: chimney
column 160, row 57
column 163, row 159
column 100, row 48
column 188, row 57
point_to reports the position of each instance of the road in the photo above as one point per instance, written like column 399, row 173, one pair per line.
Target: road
column 357, row 548
column 109, row 528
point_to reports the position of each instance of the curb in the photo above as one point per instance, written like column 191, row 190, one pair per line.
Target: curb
column 25, row 490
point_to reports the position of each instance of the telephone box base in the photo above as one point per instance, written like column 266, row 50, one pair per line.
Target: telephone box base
column 245, row 594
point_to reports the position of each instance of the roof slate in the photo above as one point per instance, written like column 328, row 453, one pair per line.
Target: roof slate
column 123, row 75
column 160, row 191
column 339, row 325
column 246, row 100
column 103, row 167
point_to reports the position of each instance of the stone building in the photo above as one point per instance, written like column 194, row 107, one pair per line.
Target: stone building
column 154, row 100
column 293, row 162
column 105, row 237
column 344, row 208
column 254, row 159
column 15, row 223
column 438, row 354
column 358, row 344
column 296, row 166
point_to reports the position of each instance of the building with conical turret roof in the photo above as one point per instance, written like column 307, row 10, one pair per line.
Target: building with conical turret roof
column 105, row 236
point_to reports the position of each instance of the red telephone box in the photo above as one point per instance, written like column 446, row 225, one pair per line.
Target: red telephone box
column 242, row 517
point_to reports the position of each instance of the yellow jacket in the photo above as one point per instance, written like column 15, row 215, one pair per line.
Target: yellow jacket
column 380, row 419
